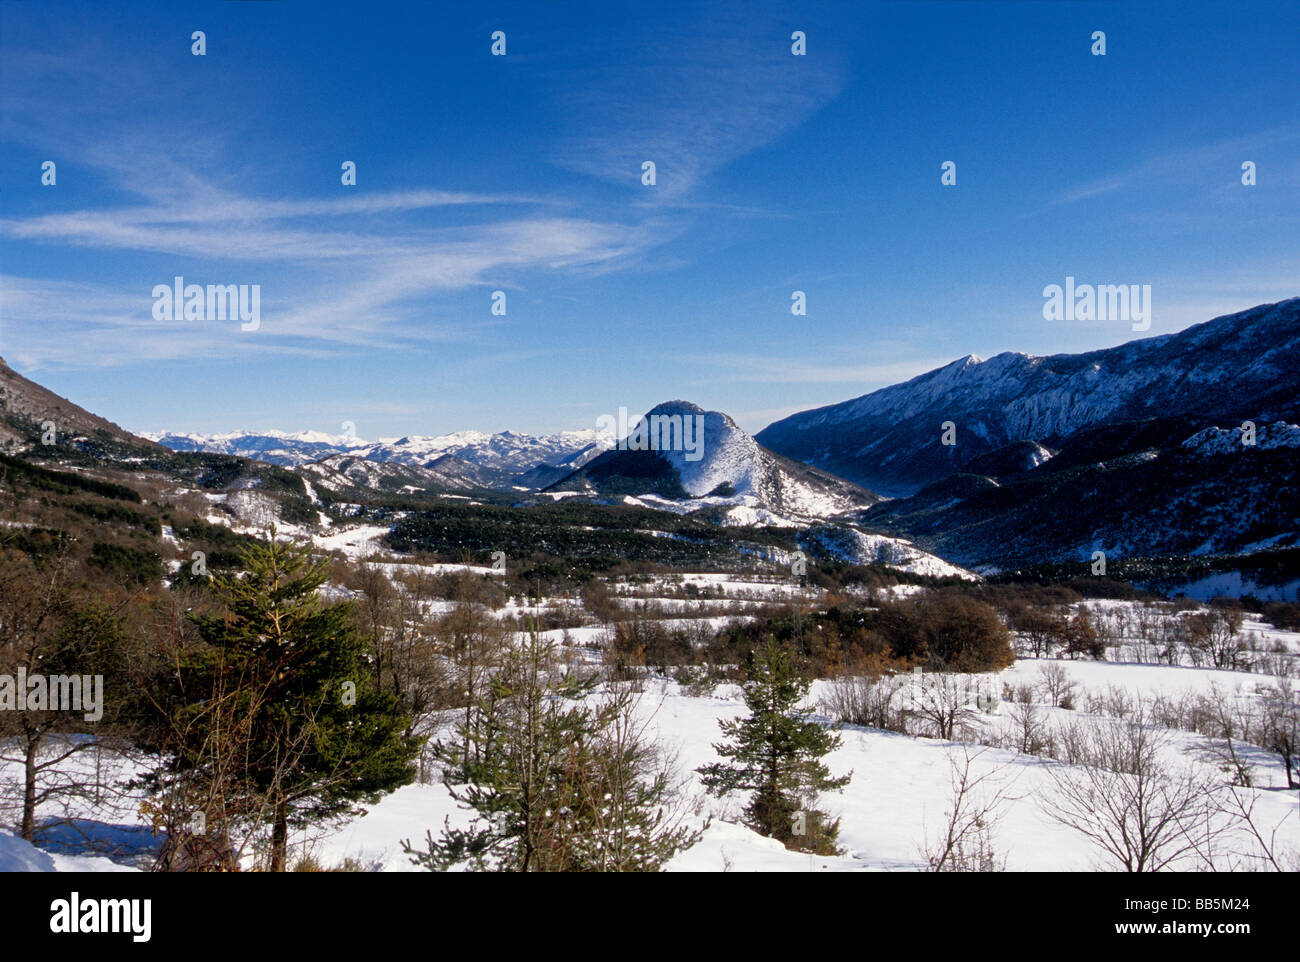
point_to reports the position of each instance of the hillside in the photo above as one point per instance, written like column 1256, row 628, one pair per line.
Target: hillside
column 26, row 409
column 719, row 465
column 1136, row 451
column 1219, row 373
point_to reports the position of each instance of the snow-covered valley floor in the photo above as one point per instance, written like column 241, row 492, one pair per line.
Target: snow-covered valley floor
column 896, row 802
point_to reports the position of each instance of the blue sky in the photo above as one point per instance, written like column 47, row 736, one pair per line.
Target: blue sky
column 522, row 173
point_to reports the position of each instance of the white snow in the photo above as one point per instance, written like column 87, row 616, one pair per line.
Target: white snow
column 358, row 542
column 1215, row 441
column 900, row 786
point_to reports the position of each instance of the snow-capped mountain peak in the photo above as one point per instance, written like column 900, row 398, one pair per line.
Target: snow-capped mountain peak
column 678, row 450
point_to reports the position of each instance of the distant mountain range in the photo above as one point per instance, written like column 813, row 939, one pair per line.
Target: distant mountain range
column 715, row 471
column 274, row 447
column 466, row 459
column 732, row 471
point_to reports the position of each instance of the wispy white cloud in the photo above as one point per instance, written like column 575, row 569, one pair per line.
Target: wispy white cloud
column 689, row 97
column 342, row 270
column 56, row 323
column 374, row 302
column 1188, row 164
column 220, row 224
column 223, row 208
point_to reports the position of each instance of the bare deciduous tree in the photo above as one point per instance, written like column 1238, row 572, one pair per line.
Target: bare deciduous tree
column 51, row 629
column 1031, row 733
column 965, row 844
column 475, row 642
column 1266, row 849
column 1234, row 725
column 1281, row 727
column 403, row 642
column 868, row 701
column 1213, row 635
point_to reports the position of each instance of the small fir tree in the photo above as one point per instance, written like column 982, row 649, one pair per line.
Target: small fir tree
column 775, row 754
column 560, row 778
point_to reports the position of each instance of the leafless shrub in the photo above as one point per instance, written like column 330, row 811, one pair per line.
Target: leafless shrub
column 1278, row 664
column 942, row 703
column 1170, row 711
column 1280, row 727
column 867, row 701
column 1123, row 795
column 1264, row 847
column 1233, row 725
column 697, row 681
column 1117, row 701
column 1030, row 731
column 1213, row 637
column 965, row 844
column 1056, row 684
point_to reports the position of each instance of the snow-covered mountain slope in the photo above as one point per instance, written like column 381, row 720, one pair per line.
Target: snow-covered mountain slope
column 683, row 452
column 1216, row 440
column 1208, row 495
column 849, row 544
column 507, row 453
column 341, row 472
column 1244, row 365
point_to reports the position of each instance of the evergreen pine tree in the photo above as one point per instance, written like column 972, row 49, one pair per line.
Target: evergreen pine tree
column 560, row 778
column 287, row 676
column 775, row 754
